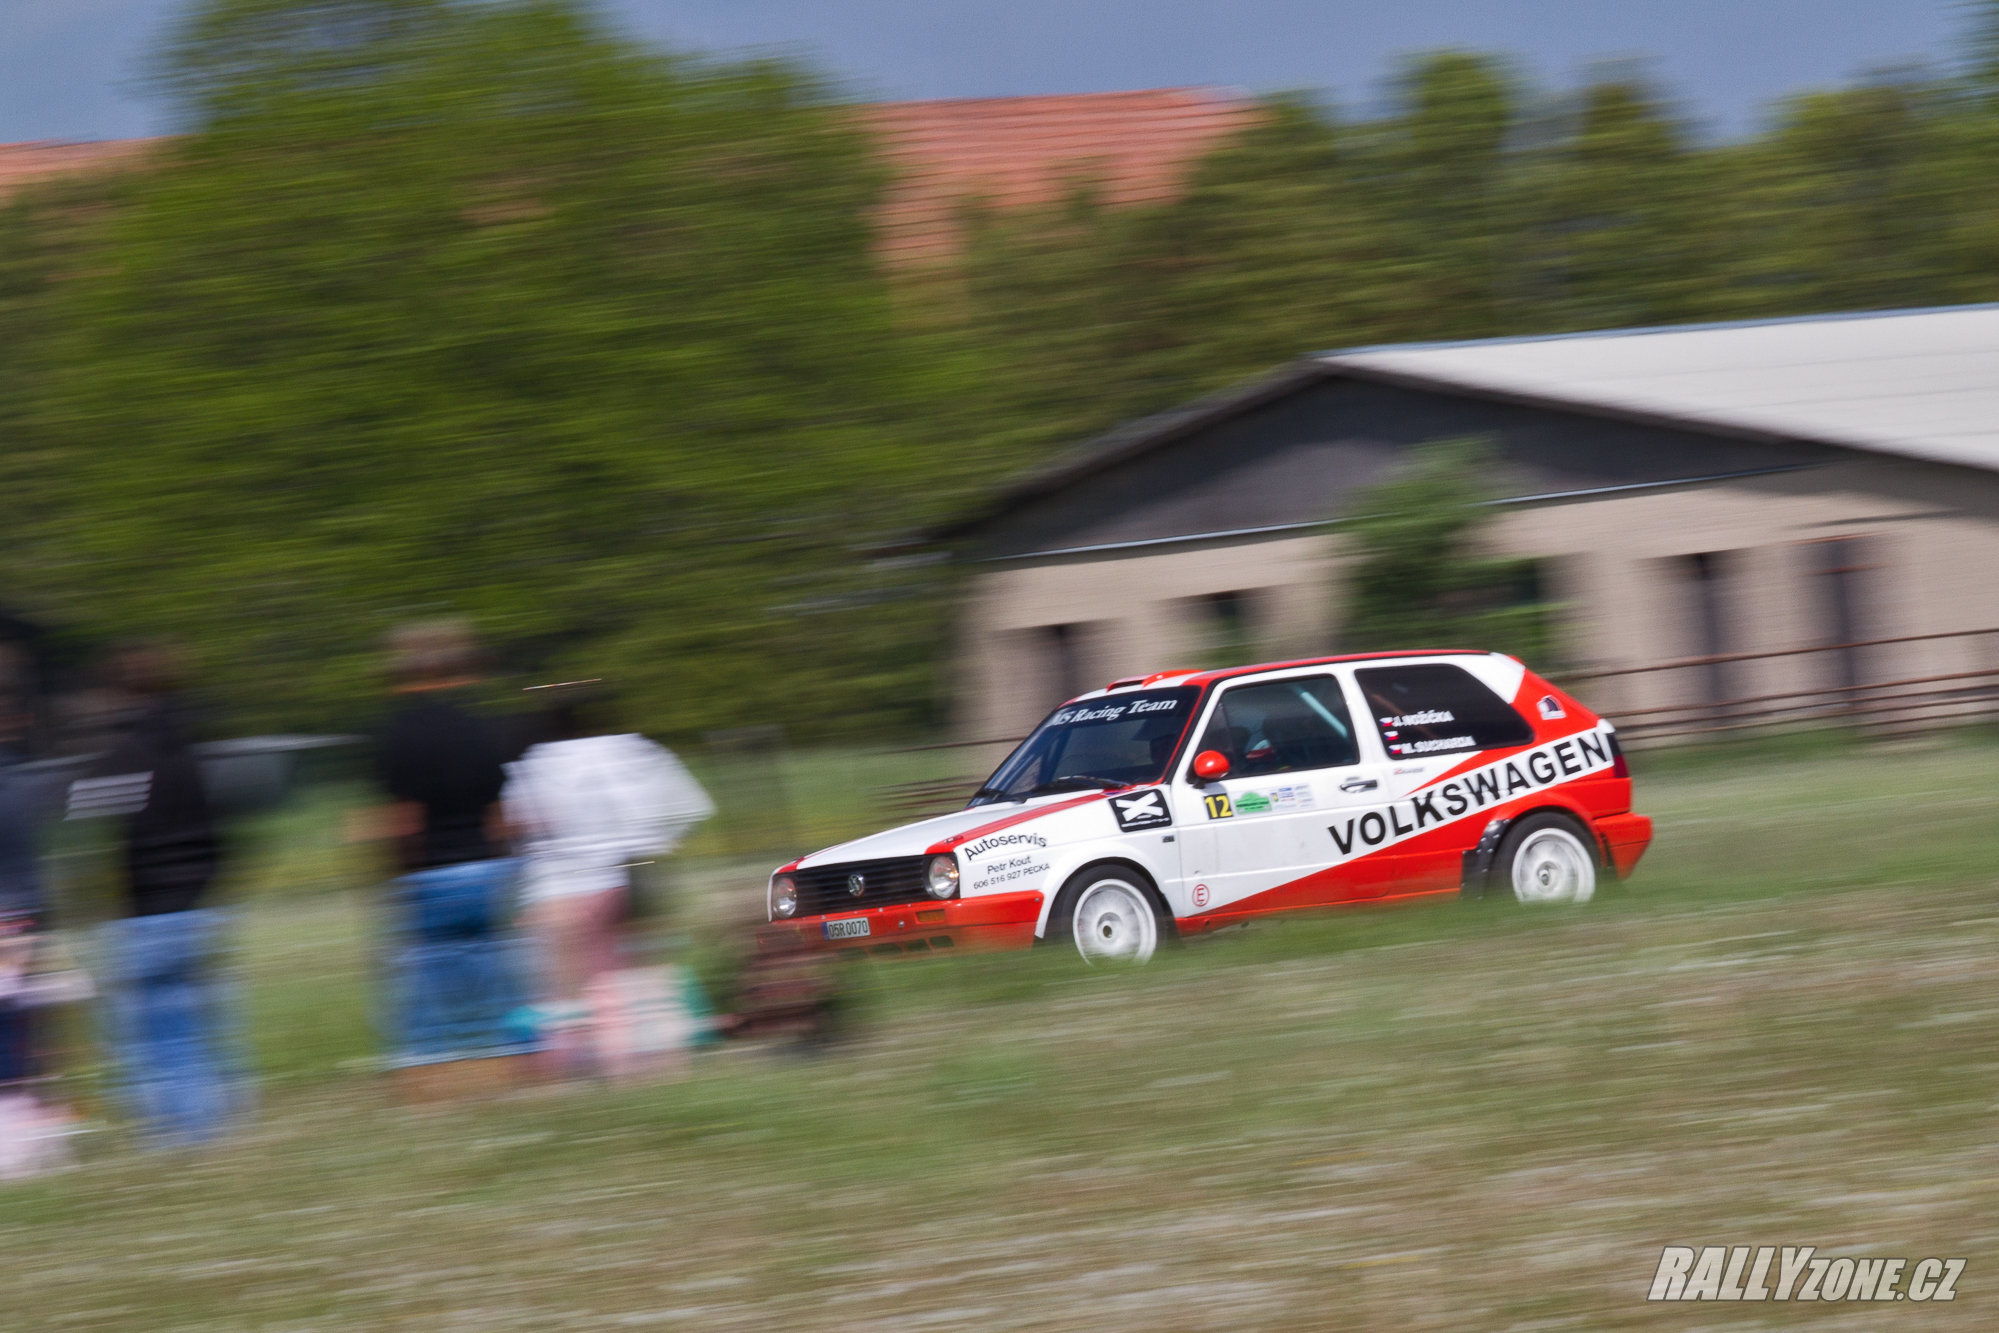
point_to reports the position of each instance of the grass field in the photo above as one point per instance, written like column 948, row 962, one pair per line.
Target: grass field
column 1441, row 1116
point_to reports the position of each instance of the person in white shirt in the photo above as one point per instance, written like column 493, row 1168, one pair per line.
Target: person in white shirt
column 583, row 809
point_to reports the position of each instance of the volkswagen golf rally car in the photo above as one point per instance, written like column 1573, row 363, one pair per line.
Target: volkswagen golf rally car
column 1188, row 801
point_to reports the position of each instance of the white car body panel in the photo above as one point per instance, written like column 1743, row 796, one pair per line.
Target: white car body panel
column 1277, row 834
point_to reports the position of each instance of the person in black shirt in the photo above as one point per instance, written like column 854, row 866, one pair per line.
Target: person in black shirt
column 441, row 766
column 166, row 1000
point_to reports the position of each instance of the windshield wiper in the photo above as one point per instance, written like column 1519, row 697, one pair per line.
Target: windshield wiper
column 1066, row 783
column 1087, row 779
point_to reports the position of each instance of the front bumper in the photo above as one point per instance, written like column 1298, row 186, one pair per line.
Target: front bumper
column 993, row 921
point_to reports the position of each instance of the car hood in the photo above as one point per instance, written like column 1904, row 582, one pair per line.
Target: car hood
column 958, row 826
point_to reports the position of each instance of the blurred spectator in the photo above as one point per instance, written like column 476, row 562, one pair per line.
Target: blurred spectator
column 27, row 798
column 587, row 806
column 440, row 764
column 167, row 1008
column 35, row 978
column 33, row 1127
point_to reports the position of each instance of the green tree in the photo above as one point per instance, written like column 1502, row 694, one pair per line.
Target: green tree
column 1436, row 177
column 1420, row 571
column 1849, row 203
column 1300, row 234
column 1616, row 219
column 451, row 305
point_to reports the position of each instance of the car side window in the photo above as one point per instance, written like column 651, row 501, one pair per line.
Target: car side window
column 1428, row 708
column 1283, row 726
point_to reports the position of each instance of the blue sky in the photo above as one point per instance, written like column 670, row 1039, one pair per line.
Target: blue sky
column 68, row 67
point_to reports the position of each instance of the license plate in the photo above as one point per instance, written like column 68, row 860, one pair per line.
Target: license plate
column 847, row 930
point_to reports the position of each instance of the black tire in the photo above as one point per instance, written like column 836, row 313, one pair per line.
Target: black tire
column 1547, row 857
column 1110, row 914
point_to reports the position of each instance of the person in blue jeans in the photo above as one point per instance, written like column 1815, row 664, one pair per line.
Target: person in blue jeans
column 165, row 1000
column 455, row 976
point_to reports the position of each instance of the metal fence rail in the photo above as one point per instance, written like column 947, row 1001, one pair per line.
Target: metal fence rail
column 934, row 796
column 1883, row 696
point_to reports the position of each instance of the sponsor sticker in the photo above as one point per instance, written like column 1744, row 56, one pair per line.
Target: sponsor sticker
column 1551, row 707
column 1471, row 792
column 1292, row 796
column 1001, row 872
column 1429, row 717
column 1112, row 712
column 1141, row 810
column 1435, row 745
column 1001, row 842
column 1797, row 1273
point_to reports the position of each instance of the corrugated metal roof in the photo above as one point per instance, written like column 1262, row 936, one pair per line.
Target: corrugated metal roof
column 1919, row 383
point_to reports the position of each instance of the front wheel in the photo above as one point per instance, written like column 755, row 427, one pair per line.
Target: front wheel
column 1544, row 859
column 1109, row 915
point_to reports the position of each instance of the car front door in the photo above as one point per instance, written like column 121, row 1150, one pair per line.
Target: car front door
column 1269, row 834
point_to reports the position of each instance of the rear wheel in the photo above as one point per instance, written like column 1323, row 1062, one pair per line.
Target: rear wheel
column 1545, row 858
column 1109, row 915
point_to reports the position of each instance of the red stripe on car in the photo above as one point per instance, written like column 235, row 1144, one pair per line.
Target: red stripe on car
column 953, row 843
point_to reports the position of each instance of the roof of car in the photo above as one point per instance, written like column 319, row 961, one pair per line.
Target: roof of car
column 1173, row 679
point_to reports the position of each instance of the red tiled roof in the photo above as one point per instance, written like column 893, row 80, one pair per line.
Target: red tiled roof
column 1137, row 147
column 25, row 163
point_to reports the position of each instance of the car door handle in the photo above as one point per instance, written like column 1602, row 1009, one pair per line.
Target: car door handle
column 1359, row 784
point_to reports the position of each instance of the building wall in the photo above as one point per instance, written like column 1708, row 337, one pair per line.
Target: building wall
column 1621, row 564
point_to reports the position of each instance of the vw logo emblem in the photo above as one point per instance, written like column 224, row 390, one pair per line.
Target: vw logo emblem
column 857, row 884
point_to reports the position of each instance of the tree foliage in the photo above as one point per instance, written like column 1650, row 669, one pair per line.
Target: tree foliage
column 457, row 306
column 1477, row 208
column 1419, row 575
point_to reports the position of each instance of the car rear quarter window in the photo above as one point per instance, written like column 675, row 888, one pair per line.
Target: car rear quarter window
column 1433, row 708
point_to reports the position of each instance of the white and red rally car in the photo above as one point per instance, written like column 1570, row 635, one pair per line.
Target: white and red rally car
column 1188, row 801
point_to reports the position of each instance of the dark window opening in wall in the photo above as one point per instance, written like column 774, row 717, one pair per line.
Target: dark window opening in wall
column 1062, row 661
column 1226, row 628
column 1841, row 564
column 1708, row 626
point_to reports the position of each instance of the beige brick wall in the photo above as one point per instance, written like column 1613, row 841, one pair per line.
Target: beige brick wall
column 1617, row 562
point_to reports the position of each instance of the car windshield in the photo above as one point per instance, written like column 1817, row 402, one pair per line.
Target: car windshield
column 1121, row 740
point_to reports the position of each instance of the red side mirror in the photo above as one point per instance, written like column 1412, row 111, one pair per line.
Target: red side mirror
column 1211, row 765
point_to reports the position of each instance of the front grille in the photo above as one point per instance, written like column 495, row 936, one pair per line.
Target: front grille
column 823, row 889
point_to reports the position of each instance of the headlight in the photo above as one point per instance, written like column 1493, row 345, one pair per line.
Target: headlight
column 783, row 897
column 942, row 876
